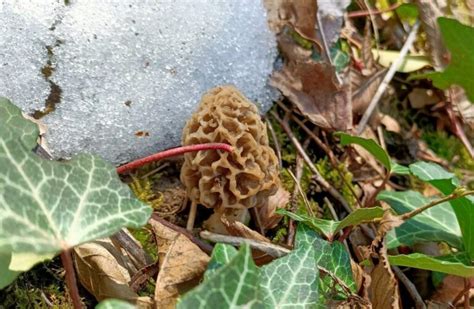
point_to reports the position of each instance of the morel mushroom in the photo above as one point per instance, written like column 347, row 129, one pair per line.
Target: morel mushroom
column 228, row 182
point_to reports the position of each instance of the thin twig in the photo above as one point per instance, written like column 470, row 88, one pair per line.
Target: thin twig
column 388, row 77
column 467, row 289
column 204, row 246
column 374, row 25
column 317, row 176
column 332, row 158
column 299, row 162
column 303, row 195
column 411, row 288
column 459, row 296
column 275, row 141
column 373, row 12
column 267, row 247
column 156, row 170
column 71, row 282
column 455, row 195
column 171, row 153
column 326, row 46
column 136, row 252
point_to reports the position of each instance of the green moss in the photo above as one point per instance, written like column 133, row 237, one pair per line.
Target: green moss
column 145, row 238
column 343, row 185
column 41, row 287
column 301, row 41
column 143, row 190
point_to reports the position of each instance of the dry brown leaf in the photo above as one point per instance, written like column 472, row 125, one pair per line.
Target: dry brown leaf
column 268, row 218
column 312, row 87
column 239, row 229
column 390, row 123
column 364, row 89
column 429, row 13
column 366, row 51
column 383, row 291
column 362, row 280
column 449, row 289
column 389, row 221
column 102, row 269
column 214, row 222
column 365, row 155
column 300, row 15
column 180, row 261
column 420, row 97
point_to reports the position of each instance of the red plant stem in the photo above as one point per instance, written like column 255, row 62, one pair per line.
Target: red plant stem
column 171, row 153
column 374, row 12
column 345, row 233
column 71, row 283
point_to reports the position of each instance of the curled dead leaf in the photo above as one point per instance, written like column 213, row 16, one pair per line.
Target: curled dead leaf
column 313, row 88
column 390, row 123
column 180, row 260
column 362, row 280
column 449, row 289
column 104, row 271
column 268, row 218
column 383, row 291
column 300, row 15
column 236, row 228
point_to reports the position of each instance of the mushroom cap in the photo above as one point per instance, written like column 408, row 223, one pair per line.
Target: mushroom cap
column 243, row 178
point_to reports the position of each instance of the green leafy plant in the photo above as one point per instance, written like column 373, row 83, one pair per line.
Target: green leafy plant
column 459, row 39
column 428, row 219
column 309, row 271
column 49, row 207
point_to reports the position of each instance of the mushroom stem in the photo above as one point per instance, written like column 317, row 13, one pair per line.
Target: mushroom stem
column 192, row 216
column 171, row 153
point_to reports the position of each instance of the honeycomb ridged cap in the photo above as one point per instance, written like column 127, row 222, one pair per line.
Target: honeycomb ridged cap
column 248, row 175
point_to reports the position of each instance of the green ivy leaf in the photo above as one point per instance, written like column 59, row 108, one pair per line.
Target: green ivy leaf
column 329, row 228
column 114, row 304
column 435, row 224
column 446, row 183
column 7, row 275
column 291, row 281
column 333, row 259
column 222, row 254
column 451, row 264
column 459, row 40
column 14, row 125
column 50, row 206
column 233, row 285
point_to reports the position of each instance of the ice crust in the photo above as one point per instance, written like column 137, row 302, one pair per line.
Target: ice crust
column 130, row 66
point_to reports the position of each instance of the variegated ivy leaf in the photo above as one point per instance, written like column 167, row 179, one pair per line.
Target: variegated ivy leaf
column 288, row 282
column 291, row 281
column 12, row 124
column 7, row 276
column 446, row 183
column 48, row 206
column 234, row 285
column 435, row 224
column 221, row 255
column 334, row 263
column 114, row 304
